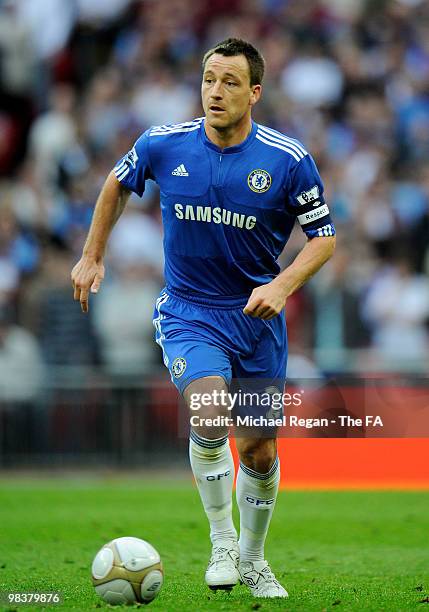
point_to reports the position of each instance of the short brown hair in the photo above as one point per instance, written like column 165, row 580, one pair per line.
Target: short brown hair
column 235, row 46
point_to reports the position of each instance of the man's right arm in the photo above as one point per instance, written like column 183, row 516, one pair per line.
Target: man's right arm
column 88, row 273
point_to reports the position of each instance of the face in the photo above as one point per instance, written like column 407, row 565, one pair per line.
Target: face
column 226, row 92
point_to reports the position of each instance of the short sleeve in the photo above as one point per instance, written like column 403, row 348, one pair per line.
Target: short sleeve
column 305, row 199
column 133, row 169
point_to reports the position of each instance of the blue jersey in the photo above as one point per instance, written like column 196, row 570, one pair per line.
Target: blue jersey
column 227, row 213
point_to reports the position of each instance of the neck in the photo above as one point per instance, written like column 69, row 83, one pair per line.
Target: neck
column 229, row 136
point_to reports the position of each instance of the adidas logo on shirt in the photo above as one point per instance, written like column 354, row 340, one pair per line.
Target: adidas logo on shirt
column 180, row 171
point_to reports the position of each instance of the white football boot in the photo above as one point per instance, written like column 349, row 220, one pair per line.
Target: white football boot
column 257, row 575
column 222, row 570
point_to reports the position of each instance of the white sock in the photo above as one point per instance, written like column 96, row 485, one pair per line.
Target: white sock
column 213, row 468
column 256, row 498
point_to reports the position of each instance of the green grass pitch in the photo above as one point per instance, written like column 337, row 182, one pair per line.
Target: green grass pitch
column 333, row 550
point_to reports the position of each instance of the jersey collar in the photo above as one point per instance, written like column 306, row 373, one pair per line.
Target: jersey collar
column 234, row 149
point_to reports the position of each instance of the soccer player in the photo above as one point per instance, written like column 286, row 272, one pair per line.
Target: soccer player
column 231, row 191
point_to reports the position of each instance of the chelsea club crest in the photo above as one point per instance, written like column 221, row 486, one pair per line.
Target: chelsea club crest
column 259, row 180
column 178, row 366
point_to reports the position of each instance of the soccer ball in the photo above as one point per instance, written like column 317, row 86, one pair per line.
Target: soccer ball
column 127, row 571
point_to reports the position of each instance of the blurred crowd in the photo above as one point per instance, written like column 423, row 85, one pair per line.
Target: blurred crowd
column 81, row 79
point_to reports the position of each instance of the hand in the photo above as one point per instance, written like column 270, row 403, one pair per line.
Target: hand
column 265, row 302
column 86, row 275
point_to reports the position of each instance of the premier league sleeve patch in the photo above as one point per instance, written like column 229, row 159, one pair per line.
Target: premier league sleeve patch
column 178, row 366
column 132, row 157
column 309, row 197
column 133, row 169
column 259, row 181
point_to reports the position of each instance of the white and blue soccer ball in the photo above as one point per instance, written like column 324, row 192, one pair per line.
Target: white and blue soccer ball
column 127, row 571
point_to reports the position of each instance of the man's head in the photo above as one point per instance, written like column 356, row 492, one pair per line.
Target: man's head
column 232, row 77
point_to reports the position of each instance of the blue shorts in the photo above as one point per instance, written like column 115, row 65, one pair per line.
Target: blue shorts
column 206, row 337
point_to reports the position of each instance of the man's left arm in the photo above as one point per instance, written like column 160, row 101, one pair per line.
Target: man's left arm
column 305, row 201
column 267, row 301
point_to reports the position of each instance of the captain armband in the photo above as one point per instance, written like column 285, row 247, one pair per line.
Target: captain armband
column 313, row 215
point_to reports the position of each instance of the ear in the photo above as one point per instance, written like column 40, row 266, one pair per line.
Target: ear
column 256, row 91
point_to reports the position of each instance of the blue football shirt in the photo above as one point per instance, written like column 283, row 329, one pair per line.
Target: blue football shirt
column 227, row 213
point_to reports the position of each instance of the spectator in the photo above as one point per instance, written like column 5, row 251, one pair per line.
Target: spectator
column 53, row 133
column 21, row 370
column 397, row 309
column 123, row 321
column 136, row 240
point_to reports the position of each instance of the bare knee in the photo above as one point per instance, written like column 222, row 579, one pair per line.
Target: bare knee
column 257, row 454
column 203, row 414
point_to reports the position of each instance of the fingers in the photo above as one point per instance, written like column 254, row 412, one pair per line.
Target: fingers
column 263, row 311
column 86, row 277
column 259, row 308
column 81, row 295
column 96, row 284
column 270, row 315
column 251, row 306
column 84, row 300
